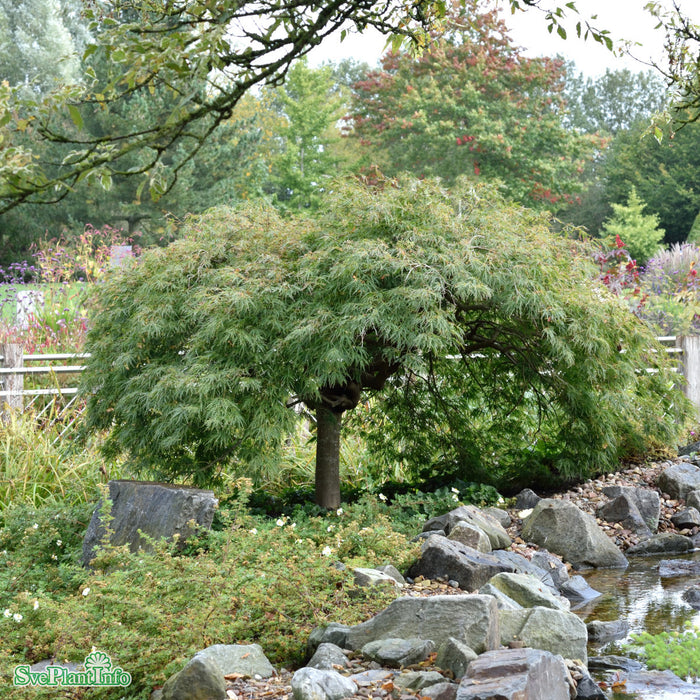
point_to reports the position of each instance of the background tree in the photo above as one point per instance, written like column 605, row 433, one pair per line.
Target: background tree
column 310, row 107
column 615, row 101
column 152, row 45
column 199, row 350
column 640, row 232
column 473, row 104
column 663, row 172
column 41, row 42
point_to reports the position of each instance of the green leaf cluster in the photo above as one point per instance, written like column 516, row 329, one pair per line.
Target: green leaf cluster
column 476, row 329
column 639, row 231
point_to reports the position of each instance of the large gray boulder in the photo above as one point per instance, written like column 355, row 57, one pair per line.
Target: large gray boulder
column 246, row 659
column 647, row 502
column 472, row 619
column 622, row 509
column 452, row 560
column 333, row 633
column 200, row 679
column 600, row 631
column 679, row 480
column 565, row 529
column 665, row 543
column 496, row 533
column 516, row 674
column 557, row 631
column 527, row 591
column 316, row 684
column 686, row 518
column 522, row 565
column 158, row 510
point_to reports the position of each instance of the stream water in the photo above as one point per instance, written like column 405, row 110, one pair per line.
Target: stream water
column 649, row 603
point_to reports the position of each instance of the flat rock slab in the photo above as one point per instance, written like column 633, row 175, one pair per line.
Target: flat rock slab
column 445, row 558
column 659, row 684
column 246, row 659
column 565, row 529
column 472, row 619
column 158, row 510
column 515, row 674
column 665, row 543
column 678, row 567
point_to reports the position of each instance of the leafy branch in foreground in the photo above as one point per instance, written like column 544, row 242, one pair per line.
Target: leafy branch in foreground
column 206, row 56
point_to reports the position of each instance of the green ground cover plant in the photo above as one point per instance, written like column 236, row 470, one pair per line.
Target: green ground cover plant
column 675, row 651
column 251, row 579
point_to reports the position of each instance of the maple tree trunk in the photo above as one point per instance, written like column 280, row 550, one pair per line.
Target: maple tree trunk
column 327, row 457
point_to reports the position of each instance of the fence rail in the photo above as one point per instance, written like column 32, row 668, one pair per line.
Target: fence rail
column 13, row 371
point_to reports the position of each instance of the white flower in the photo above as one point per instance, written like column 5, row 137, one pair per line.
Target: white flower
column 253, row 531
column 86, row 592
column 4, row 552
column 280, row 522
column 36, row 605
column 36, row 526
column 382, row 497
column 17, row 617
column 7, row 612
column 54, row 557
column 455, row 497
column 454, row 490
column 326, row 551
column 299, row 541
column 293, row 525
column 339, row 511
column 329, row 528
column 59, row 543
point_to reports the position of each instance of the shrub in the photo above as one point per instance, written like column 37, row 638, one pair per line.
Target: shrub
column 675, row 651
column 252, row 580
column 639, row 231
column 672, row 290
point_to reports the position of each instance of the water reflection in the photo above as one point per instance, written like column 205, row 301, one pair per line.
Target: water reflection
column 639, row 595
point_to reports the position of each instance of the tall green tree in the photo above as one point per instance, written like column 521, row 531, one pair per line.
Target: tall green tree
column 199, row 350
column 613, row 102
column 474, row 104
column 663, row 172
column 311, row 107
column 41, row 42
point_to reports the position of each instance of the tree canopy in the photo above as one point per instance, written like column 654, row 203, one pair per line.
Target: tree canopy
column 464, row 318
column 179, row 46
column 474, row 105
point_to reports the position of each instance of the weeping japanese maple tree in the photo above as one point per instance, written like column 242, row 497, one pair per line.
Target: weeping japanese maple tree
column 401, row 290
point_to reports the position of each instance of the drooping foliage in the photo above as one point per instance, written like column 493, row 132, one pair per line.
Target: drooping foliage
column 475, row 330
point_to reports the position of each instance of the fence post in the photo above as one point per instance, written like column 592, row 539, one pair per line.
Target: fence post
column 12, row 356
column 691, row 367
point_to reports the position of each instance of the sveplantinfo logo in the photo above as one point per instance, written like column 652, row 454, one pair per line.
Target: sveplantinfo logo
column 98, row 673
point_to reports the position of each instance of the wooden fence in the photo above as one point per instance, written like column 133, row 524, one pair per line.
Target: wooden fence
column 15, row 366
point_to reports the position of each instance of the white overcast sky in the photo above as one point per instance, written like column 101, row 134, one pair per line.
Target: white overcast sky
column 625, row 19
